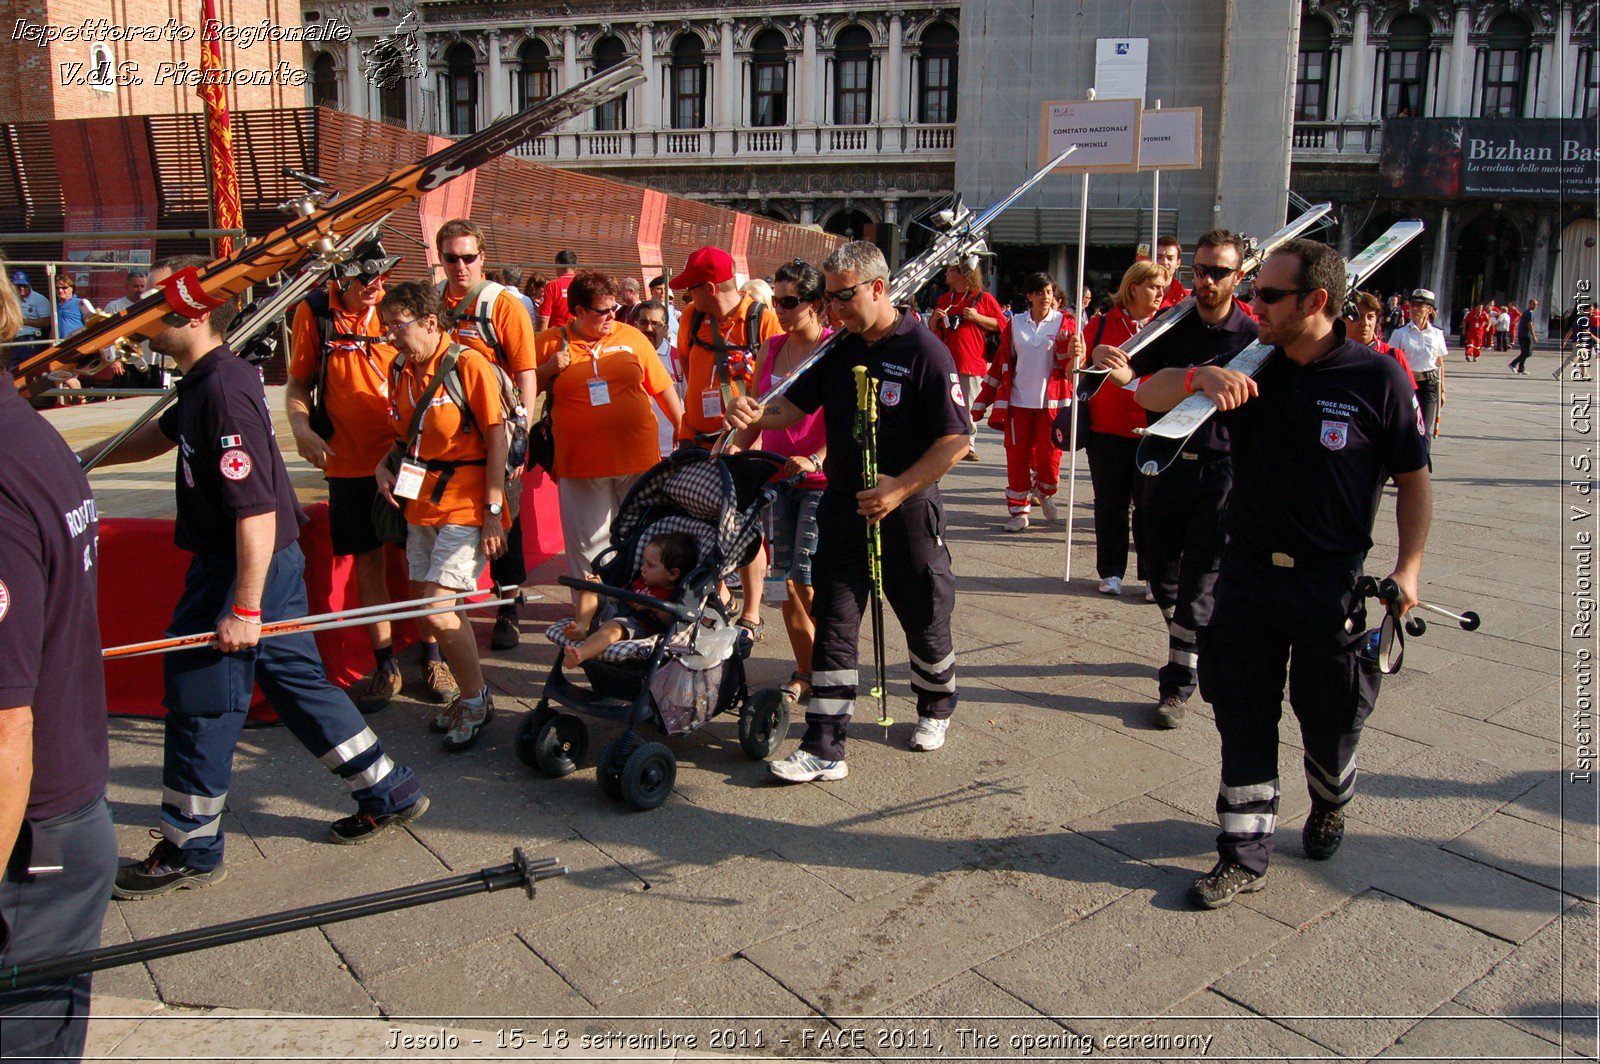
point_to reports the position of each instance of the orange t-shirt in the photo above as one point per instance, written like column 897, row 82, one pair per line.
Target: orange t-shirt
column 702, row 402
column 615, row 438
column 358, row 385
column 446, row 436
column 512, row 328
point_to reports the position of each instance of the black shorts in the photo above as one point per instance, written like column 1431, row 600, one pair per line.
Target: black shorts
column 350, row 514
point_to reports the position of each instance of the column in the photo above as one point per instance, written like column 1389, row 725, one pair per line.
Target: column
column 807, row 213
column 1539, row 275
column 1357, row 89
column 355, row 79
column 891, row 217
column 496, row 96
column 1461, row 59
column 805, row 93
column 1559, row 74
column 417, row 88
column 891, row 73
column 727, row 77
column 569, row 76
column 650, row 109
column 1060, row 264
column 1347, row 230
column 1436, row 275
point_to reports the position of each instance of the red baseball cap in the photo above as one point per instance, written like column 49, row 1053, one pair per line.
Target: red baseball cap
column 705, row 265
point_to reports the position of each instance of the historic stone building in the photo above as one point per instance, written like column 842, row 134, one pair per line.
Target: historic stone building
column 837, row 114
column 1370, row 69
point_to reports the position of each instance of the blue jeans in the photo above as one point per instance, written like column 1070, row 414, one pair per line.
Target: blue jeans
column 792, row 532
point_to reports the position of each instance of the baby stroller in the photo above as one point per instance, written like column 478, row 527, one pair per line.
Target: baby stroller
column 692, row 671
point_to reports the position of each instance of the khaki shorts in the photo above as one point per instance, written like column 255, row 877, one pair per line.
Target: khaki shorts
column 448, row 555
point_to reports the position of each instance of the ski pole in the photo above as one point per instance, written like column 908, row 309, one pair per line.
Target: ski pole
column 867, row 437
column 297, row 625
column 520, row 872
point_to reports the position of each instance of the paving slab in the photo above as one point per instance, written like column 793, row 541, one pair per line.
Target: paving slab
column 1547, row 985
column 1352, row 980
column 1561, row 803
column 1208, row 1025
column 1454, row 1033
column 1436, row 794
column 969, row 1018
column 467, row 986
column 1531, row 852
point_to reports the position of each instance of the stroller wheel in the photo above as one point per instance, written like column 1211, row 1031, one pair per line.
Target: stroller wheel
column 608, row 773
column 764, row 722
column 648, row 776
column 560, row 744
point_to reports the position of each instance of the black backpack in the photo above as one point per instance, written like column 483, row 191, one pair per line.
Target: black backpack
column 322, row 315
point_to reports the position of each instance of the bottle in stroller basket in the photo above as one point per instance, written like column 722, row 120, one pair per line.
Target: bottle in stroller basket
column 666, row 558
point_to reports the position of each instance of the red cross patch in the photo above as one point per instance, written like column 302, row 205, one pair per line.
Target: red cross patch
column 235, row 465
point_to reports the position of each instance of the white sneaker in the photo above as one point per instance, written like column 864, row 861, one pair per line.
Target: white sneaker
column 1149, row 596
column 1111, row 585
column 1017, row 523
column 1052, row 512
column 801, row 767
column 929, row 734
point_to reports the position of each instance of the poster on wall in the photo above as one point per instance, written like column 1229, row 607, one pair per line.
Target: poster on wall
column 1490, row 158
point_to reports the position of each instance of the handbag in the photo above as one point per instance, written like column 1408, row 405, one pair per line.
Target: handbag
column 541, row 434
column 389, row 522
column 1061, row 424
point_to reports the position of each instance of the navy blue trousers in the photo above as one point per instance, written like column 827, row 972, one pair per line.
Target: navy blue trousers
column 208, row 697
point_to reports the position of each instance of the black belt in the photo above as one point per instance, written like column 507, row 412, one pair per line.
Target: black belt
column 1284, row 560
column 446, row 470
column 1426, row 374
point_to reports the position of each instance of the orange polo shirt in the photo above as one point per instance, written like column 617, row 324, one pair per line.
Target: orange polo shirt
column 358, row 385
column 446, row 436
column 619, row 436
column 512, row 327
column 702, row 384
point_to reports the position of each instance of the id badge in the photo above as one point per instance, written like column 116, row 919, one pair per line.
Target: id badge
column 711, row 404
column 599, row 393
column 408, row 482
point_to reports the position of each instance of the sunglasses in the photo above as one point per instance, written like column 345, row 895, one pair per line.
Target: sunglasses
column 395, row 328
column 791, row 302
column 604, row 312
column 845, row 295
column 1216, row 273
column 1270, row 296
column 468, row 259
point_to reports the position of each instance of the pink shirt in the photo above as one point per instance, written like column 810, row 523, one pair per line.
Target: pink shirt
column 806, row 436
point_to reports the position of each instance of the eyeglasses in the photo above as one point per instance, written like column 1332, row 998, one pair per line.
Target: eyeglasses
column 1215, row 273
column 604, row 312
column 845, row 295
column 468, row 259
column 791, row 302
column 395, row 328
column 1270, row 296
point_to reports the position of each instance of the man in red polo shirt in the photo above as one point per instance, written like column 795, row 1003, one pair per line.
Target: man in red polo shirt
column 1169, row 253
column 553, row 309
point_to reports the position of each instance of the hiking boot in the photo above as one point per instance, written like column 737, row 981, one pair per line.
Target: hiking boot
column 376, row 689
column 1168, row 713
column 1219, row 886
column 1051, row 512
column 1322, row 834
column 929, row 735
column 354, row 830
column 465, row 722
column 162, row 872
column 801, row 767
column 440, row 681
column 506, row 634
column 1017, row 523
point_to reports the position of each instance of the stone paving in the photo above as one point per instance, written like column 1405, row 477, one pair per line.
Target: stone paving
column 1017, row 894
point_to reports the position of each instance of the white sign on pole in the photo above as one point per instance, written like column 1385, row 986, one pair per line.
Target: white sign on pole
column 1120, row 66
column 1169, row 139
column 1106, row 132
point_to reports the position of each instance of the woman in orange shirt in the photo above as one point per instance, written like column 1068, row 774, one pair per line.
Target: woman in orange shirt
column 601, row 377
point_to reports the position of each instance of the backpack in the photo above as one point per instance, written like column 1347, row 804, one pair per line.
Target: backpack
column 721, row 350
column 480, row 299
column 322, row 315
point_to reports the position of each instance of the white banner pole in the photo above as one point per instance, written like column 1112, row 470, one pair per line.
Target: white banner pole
column 1155, row 211
column 1072, row 428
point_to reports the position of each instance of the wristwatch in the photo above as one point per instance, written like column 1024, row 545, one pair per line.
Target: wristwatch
column 495, row 509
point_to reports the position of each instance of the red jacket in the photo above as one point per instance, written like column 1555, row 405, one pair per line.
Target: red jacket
column 1113, row 410
column 995, row 395
column 1398, row 355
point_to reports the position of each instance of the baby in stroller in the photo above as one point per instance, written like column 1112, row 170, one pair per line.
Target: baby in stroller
column 666, row 558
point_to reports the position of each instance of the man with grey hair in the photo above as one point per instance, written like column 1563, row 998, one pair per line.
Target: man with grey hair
column 628, row 305
column 922, row 431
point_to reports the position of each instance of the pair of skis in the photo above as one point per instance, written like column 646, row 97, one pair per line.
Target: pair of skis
column 1163, row 442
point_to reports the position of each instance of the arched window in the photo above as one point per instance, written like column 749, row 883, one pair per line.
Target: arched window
column 392, row 101
column 324, row 82
column 534, row 79
column 852, row 78
column 936, row 80
column 1405, row 71
column 1311, row 75
column 461, row 82
column 688, row 83
column 769, row 80
column 1505, row 69
column 612, row 116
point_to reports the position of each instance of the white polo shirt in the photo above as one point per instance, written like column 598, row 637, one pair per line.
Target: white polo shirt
column 1033, row 354
column 1424, row 348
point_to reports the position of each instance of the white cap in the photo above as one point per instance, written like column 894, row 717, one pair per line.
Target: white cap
column 1422, row 295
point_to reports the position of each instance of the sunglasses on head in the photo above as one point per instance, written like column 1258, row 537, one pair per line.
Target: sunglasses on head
column 1270, row 296
column 468, row 259
column 1216, row 273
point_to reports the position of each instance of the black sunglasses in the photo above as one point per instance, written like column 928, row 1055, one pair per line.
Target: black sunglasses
column 1270, row 296
column 845, row 295
column 791, row 302
column 468, row 259
column 1216, row 273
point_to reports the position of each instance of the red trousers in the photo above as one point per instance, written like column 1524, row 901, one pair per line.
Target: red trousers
column 1033, row 465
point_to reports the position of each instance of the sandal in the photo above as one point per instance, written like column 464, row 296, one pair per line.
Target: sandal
column 798, row 689
column 753, row 627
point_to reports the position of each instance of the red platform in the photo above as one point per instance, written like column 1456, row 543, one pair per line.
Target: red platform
column 141, row 577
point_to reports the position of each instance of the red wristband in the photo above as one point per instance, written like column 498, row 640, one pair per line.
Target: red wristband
column 246, row 615
column 1188, row 381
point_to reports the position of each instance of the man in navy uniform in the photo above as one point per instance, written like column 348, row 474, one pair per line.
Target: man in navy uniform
column 923, row 428
column 1180, row 511
column 1316, row 434
column 57, row 848
column 237, row 514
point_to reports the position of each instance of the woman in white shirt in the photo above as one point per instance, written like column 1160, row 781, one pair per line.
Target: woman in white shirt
column 1425, row 349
